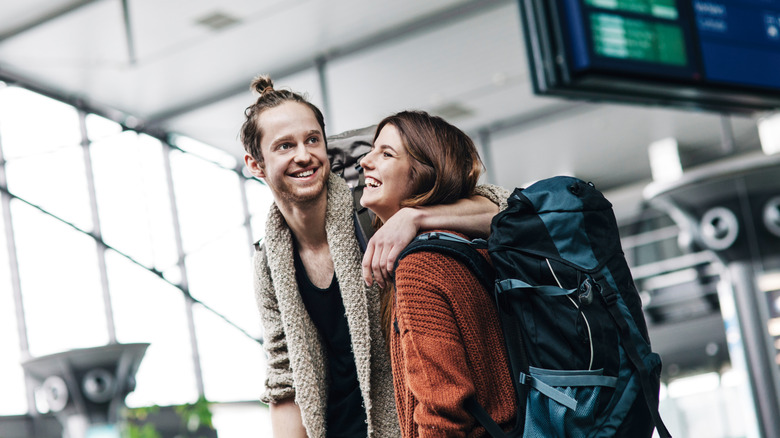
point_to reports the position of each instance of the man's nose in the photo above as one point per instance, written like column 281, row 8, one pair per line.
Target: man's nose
column 302, row 153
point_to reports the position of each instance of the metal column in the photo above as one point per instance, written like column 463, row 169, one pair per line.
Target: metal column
column 720, row 205
column 96, row 231
column 183, row 284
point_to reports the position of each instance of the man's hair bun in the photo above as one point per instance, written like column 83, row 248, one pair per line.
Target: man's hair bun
column 262, row 84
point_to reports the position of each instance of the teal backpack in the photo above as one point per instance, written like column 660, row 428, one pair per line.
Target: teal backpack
column 571, row 316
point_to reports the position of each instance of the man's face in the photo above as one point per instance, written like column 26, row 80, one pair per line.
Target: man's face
column 295, row 164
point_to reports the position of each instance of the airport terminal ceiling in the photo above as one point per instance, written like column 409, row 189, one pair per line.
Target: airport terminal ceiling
column 185, row 67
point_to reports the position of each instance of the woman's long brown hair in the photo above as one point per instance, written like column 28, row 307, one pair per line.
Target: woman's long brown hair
column 445, row 167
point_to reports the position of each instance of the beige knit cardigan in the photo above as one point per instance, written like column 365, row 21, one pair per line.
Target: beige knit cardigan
column 296, row 356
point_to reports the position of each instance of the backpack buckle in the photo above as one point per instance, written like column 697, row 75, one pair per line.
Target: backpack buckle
column 585, row 292
column 610, row 296
column 428, row 236
column 524, row 379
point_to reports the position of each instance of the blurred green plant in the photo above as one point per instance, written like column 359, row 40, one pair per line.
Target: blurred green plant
column 194, row 417
column 134, row 426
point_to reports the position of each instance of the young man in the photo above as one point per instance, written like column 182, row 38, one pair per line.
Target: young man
column 328, row 364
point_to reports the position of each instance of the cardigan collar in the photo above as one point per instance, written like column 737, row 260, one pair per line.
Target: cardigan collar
column 304, row 346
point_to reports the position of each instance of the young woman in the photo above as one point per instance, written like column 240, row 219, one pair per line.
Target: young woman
column 445, row 338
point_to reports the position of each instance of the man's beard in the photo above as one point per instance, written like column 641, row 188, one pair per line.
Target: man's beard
column 305, row 195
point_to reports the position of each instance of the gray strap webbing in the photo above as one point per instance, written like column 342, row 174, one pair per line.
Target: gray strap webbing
column 513, row 283
column 549, row 391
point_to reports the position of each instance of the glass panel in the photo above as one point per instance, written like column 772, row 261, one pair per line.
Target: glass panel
column 13, row 400
column 55, row 182
column 60, row 283
column 132, row 198
column 207, row 152
column 45, row 166
column 260, row 199
column 220, row 275
column 708, row 405
column 233, row 364
column 208, row 200
column 147, row 309
column 34, row 125
column 100, row 128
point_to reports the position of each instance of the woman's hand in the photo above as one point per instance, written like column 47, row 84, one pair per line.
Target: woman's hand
column 387, row 243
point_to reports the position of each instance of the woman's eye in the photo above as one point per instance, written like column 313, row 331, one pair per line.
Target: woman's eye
column 387, row 154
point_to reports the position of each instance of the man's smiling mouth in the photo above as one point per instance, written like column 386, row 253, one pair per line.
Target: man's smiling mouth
column 304, row 174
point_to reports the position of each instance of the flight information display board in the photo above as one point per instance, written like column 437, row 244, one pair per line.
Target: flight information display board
column 722, row 55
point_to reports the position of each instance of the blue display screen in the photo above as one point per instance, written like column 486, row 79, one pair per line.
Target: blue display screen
column 733, row 43
column 740, row 41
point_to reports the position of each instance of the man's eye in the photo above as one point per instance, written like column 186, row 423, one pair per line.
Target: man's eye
column 312, row 140
column 284, row 146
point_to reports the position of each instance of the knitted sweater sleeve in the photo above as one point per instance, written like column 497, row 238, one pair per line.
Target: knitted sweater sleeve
column 435, row 367
column 497, row 194
column 278, row 378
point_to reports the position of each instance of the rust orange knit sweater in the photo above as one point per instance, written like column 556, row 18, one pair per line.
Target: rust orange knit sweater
column 449, row 346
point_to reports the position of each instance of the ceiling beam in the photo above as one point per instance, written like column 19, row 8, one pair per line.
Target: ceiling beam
column 128, row 32
column 80, row 103
column 547, row 114
column 420, row 25
column 45, row 18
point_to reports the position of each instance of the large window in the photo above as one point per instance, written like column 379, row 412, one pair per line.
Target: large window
column 60, row 283
column 113, row 229
column 149, row 310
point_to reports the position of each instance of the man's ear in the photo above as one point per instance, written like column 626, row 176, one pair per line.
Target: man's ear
column 256, row 168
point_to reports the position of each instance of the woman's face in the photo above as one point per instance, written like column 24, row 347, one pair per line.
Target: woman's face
column 388, row 174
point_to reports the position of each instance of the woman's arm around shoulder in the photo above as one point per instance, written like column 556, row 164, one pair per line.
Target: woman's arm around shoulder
column 471, row 216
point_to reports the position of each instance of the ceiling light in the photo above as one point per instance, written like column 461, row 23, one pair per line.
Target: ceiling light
column 452, row 111
column 769, row 134
column 769, row 282
column 665, row 163
column 217, row 20
column 499, row 79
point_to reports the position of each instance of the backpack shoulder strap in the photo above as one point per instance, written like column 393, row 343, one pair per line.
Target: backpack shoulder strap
column 610, row 298
column 463, row 250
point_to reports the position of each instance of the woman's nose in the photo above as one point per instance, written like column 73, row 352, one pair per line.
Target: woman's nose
column 365, row 161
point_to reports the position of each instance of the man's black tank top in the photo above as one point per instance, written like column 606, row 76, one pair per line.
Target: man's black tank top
column 346, row 416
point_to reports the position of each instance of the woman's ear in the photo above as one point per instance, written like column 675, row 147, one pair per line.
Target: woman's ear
column 256, row 168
